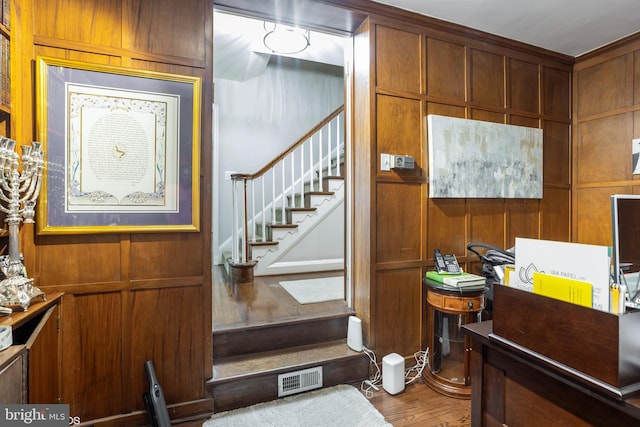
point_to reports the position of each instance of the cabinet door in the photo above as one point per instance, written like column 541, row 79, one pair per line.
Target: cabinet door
column 12, row 376
column 44, row 359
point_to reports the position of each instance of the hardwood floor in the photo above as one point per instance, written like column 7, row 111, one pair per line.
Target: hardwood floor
column 417, row 406
column 264, row 301
column 237, row 306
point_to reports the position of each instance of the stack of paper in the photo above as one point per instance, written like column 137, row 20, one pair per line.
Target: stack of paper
column 457, row 280
column 563, row 288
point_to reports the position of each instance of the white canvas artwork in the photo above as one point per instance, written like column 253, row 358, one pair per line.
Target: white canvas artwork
column 476, row 159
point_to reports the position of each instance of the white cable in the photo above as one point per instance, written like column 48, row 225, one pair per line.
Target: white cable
column 375, row 381
column 422, row 359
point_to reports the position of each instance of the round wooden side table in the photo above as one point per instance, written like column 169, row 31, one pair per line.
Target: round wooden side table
column 449, row 348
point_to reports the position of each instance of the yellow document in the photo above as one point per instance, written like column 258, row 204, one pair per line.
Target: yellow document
column 564, row 289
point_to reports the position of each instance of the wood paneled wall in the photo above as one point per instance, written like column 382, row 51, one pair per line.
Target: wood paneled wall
column 606, row 117
column 133, row 297
column 414, row 68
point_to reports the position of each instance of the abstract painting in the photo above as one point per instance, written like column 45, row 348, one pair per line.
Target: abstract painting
column 477, row 159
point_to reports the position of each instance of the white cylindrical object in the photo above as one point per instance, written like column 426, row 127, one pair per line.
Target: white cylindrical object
column 622, row 299
column 393, row 373
column 354, row 333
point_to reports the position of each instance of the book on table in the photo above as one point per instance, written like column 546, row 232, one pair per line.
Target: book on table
column 463, row 279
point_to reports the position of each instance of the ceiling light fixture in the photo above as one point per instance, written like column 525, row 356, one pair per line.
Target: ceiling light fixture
column 285, row 40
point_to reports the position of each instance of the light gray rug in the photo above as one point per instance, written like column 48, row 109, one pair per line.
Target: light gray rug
column 309, row 291
column 339, row 406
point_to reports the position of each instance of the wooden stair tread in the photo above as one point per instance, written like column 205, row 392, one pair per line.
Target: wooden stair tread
column 301, row 319
column 284, row 360
column 302, row 209
column 263, row 243
column 282, row 225
column 320, row 193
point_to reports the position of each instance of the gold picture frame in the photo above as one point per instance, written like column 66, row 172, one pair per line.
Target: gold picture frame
column 122, row 147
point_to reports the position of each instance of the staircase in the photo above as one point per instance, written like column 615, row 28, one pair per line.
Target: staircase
column 280, row 210
column 258, row 361
column 265, row 344
column 303, row 223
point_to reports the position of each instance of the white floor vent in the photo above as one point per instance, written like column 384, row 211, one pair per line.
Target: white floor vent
column 299, row 381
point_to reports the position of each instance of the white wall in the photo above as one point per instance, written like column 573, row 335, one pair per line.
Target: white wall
column 260, row 117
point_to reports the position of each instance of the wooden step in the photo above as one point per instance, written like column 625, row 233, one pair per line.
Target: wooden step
column 329, row 182
column 249, row 379
column 257, row 249
column 309, row 196
column 278, row 335
column 279, row 231
column 293, row 214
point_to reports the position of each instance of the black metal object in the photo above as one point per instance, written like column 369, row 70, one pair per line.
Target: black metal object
column 154, row 399
column 491, row 257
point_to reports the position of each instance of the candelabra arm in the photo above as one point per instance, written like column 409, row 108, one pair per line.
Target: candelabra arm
column 19, row 191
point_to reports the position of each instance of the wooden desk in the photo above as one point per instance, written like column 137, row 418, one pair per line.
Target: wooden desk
column 514, row 388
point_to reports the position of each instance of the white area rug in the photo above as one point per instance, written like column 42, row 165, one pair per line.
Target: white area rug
column 339, row 406
column 315, row 290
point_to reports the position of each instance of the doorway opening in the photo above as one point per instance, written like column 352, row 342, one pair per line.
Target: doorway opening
column 266, row 98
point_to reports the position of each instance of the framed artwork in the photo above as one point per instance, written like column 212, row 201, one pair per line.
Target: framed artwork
column 478, row 159
column 122, row 148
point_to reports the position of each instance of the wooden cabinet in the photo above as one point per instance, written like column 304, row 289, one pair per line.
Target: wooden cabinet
column 29, row 369
column 513, row 387
column 13, row 375
column 448, row 310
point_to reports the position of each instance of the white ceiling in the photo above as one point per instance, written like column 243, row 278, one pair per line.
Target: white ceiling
column 571, row 27
column 240, row 53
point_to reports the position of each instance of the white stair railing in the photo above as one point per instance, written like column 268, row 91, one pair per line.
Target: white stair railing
column 262, row 198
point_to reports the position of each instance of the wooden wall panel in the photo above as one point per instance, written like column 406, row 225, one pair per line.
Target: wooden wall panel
column 487, row 221
column 128, row 297
column 152, row 27
column 153, row 313
column 523, row 220
column 445, row 110
column 594, row 226
column 531, row 122
column 471, row 79
column 156, row 256
column 399, row 132
column 487, row 78
column 603, row 148
column 446, row 69
column 85, row 260
column 363, row 163
column 93, row 380
column 604, row 87
column 556, row 92
column 556, row 153
column 92, row 22
column 555, row 208
column 445, row 226
column 487, row 116
column 636, row 77
column 398, row 59
column 399, row 297
column 523, row 85
column 399, row 222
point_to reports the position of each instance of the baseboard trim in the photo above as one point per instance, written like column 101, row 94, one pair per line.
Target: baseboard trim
column 179, row 413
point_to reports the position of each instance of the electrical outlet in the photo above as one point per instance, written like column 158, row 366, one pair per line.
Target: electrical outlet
column 385, row 161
